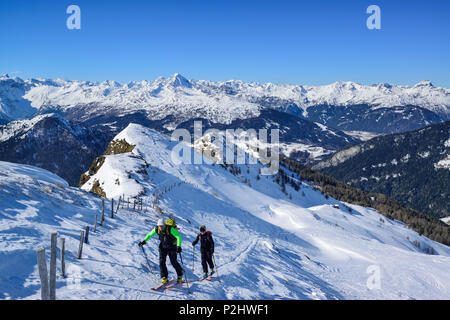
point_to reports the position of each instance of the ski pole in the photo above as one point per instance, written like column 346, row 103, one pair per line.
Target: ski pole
column 193, row 258
column 146, row 259
column 215, row 265
column 184, row 273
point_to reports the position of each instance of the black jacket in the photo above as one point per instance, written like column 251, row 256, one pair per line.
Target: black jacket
column 206, row 241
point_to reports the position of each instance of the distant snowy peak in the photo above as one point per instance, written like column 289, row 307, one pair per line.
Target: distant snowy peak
column 424, row 83
column 177, row 80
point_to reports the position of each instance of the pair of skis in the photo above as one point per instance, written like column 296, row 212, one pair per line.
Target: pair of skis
column 209, row 278
column 171, row 284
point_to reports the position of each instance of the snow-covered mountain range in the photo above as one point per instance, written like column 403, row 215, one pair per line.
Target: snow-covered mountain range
column 270, row 243
column 223, row 102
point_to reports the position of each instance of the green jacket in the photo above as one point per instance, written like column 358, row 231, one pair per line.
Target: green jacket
column 173, row 232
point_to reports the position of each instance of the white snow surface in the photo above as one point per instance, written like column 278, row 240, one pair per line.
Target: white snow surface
column 362, row 135
column 268, row 246
column 217, row 101
column 444, row 163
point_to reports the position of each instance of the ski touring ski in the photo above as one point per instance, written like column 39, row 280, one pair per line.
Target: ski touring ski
column 176, row 285
column 180, row 284
column 163, row 285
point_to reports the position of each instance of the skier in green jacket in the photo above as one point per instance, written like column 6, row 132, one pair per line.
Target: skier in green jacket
column 170, row 245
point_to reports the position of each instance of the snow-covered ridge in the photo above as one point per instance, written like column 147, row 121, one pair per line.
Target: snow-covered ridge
column 20, row 128
column 218, row 101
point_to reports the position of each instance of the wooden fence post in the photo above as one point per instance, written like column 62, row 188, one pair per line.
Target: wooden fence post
column 118, row 204
column 95, row 223
column 43, row 274
column 112, row 208
column 80, row 247
column 86, row 236
column 102, row 217
column 63, row 262
column 54, row 237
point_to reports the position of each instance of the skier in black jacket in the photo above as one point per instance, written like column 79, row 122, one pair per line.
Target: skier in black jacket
column 206, row 249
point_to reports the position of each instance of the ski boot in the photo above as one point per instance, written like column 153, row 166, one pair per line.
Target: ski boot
column 212, row 272
column 179, row 279
column 205, row 275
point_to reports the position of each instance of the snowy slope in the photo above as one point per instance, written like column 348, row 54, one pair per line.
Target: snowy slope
column 268, row 246
column 220, row 102
column 324, row 251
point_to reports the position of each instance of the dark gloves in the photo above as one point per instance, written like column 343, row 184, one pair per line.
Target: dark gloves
column 211, row 251
column 179, row 250
column 193, row 243
column 142, row 243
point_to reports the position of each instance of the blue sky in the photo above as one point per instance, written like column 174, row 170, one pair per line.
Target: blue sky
column 283, row 41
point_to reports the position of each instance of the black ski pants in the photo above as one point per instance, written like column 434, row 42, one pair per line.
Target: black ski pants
column 207, row 260
column 172, row 253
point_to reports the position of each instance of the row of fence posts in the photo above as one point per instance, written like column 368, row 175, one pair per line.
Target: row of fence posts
column 138, row 204
column 48, row 277
column 84, row 237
